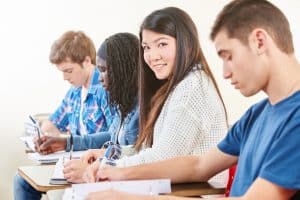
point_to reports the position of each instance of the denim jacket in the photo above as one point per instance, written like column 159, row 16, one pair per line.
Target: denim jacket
column 94, row 141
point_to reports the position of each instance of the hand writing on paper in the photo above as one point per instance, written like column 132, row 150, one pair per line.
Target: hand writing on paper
column 89, row 175
column 92, row 155
column 110, row 173
column 117, row 195
column 73, row 171
column 49, row 144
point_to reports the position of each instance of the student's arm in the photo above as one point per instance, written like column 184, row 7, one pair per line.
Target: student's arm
column 262, row 189
column 191, row 168
column 49, row 128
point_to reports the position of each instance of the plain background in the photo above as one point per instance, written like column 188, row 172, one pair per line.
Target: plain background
column 30, row 84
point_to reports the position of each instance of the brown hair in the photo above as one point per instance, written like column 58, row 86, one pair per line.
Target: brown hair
column 240, row 17
column 153, row 92
column 73, row 45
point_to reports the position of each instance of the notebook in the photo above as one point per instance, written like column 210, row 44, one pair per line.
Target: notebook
column 143, row 187
column 28, row 141
column 53, row 157
column 58, row 175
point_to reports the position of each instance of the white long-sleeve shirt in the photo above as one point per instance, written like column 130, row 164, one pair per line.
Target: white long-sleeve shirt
column 191, row 122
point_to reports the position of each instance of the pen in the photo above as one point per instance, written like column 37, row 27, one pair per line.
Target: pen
column 36, row 126
column 71, row 143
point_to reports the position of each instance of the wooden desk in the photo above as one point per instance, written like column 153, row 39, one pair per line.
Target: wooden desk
column 39, row 176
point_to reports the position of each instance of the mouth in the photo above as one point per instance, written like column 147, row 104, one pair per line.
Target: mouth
column 158, row 66
column 235, row 84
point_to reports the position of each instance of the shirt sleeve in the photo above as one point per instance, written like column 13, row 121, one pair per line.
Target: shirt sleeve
column 231, row 144
column 88, row 141
column 177, row 138
column 60, row 118
column 282, row 164
column 107, row 112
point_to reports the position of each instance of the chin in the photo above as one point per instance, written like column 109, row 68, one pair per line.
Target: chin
column 161, row 76
column 248, row 93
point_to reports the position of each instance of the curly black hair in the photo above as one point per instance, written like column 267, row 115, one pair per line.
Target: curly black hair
column 122, row 61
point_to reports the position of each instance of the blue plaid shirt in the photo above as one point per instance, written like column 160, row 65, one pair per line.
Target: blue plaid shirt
column 97, row 115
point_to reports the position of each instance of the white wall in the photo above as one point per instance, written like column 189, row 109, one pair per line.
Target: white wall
column 30, row 84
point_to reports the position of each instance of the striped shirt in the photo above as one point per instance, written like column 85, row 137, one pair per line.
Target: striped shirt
column 96, row 113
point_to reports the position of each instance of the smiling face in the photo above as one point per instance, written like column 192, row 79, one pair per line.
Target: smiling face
column 159, row 53
column 242, row 64
column 101, row 64
column 74, row 73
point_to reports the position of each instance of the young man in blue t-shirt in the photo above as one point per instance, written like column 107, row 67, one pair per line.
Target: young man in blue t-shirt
column 254, row 40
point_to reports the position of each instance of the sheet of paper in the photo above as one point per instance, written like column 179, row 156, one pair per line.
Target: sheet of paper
column 28, row 140
column 53, row 157
column 58, row 169
column 149, row 187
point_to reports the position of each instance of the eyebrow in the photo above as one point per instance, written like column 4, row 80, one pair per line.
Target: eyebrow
column 156, row 40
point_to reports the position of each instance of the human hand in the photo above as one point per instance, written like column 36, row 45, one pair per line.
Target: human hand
column 116, row 195
column 89, row 175
column 73, row 170
column 49, row 144
column 92, row 155
column 110, row 173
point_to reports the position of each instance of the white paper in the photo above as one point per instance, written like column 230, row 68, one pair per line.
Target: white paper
column 53, row 157
column 58, row 169
column 144, row 187
column 28, row 140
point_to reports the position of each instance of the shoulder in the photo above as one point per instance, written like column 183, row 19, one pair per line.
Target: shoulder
column 195, row 86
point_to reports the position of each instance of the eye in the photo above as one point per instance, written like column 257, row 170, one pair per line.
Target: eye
column 101, row 68
column 69, row 71
column 145, row 47
column 162, row 44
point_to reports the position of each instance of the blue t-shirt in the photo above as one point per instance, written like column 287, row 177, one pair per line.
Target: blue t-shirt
column 267, row 141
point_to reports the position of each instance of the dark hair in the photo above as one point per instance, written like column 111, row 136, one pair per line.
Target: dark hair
column 153, row 92
column 240, row 17
column 74, row 45
column 121, row 53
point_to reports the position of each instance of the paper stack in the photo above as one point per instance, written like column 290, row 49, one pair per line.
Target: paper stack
column 143, row 187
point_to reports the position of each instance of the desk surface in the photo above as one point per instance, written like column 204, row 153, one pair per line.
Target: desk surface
column 39, row 176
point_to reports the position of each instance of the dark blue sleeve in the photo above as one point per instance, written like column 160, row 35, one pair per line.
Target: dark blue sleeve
column 89, row 141
column 231, row 144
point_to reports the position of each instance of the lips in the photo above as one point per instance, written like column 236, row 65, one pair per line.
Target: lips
column 158, row 66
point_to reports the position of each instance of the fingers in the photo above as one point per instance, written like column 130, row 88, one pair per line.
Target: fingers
column 89, row 174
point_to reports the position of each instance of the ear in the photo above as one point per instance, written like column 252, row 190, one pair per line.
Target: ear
column 87, row 61
column 258, row 40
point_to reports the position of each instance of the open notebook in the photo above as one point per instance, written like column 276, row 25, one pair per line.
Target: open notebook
column 53, row 157
column 58, row 175
column 145, row 187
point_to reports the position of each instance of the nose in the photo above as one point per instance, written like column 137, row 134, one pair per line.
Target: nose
column 226, row 72
column 154, row 55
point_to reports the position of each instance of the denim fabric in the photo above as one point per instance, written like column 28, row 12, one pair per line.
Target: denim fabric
column 23, row 190
column 130, row 129
column 97, row 115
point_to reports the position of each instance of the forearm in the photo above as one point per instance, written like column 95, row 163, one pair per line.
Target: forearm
column 187, row 166
column 50, row 128
column 93, row 141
